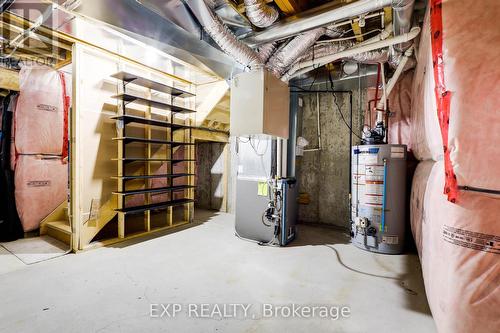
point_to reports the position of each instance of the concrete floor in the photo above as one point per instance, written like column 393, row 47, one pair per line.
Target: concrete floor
column 111, row 289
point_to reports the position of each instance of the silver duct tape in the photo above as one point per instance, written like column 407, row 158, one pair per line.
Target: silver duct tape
column 287, row 55
column 260, row 14
column 266, row 51
column 227, row 41
column 380, row 55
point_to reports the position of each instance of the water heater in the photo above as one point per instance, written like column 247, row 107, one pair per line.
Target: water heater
column 378, row 197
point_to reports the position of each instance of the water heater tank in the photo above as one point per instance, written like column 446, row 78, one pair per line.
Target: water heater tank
column 378, row 197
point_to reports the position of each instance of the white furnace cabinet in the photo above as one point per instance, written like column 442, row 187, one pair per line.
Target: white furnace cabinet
column 260, row 104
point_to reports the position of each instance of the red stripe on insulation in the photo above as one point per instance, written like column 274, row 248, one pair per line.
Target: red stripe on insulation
column 443, row 96
column 66, row 102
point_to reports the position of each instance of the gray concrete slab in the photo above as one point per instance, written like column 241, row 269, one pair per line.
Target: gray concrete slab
column 111, row 289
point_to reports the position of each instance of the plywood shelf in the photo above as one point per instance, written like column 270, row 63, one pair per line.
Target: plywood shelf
column 154, row 85
column 129, row 98
column 144, row 208
column 145, row 159
column 127, row 119
column 175, row 175
column 155, row 190
column 131, row 139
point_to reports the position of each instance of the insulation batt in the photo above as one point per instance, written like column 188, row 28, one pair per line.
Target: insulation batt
column 39, row 115
column 459, row 250
column 426, row 141
column 400, row 107
column 40, row 187
column 471, row 63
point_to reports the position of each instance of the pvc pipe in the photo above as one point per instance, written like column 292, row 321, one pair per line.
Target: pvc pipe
column 395, row 77
column 309, row 65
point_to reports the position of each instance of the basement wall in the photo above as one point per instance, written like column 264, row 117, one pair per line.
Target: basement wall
column 324, row 175
column 209, row 193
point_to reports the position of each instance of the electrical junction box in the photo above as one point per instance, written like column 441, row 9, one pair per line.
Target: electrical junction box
column 260, row 104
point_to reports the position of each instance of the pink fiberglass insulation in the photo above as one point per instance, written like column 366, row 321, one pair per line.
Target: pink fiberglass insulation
column 400, row 107
column 471, row 65
column 472, row 74
column 425, row 134
column 418, row 189
column 40, row 187
column 39, row 121
column 459, row 249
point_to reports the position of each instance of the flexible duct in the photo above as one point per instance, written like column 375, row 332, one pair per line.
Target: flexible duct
column 375, row 56
column 260, row 13
column 306, row 66
column 266, row 51
column 226, row 40
column 334, row 31
column 285, row 56
column 321, row 50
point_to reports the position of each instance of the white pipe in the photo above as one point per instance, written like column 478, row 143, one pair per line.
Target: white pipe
column 306, row 66
column 395, row 77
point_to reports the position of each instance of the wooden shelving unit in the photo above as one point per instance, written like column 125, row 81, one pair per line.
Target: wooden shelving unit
column 167, row 127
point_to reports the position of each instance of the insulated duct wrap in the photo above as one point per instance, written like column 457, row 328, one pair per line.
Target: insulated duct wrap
column 226, row 40
column 325, row 49
column 260, row 13
column 333, row 31
column 284, row 57
column 266, row 51
column 380, row 55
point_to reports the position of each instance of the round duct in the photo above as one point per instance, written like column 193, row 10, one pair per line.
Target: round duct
column 349, row 67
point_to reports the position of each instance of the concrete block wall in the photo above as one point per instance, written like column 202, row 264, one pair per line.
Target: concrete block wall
column 324, row 175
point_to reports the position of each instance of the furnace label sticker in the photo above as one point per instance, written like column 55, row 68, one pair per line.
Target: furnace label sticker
column 262, row 189
column 472, row 240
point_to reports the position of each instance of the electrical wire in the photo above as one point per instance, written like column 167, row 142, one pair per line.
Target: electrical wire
column 338, row 106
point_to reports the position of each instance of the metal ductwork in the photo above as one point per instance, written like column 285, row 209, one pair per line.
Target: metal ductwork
column 260, row 13
column 224, row 38
column 286, row 56
column 402, row 12
column 312, row 19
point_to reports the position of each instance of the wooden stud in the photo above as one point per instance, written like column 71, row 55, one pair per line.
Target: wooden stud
column 9, row 79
